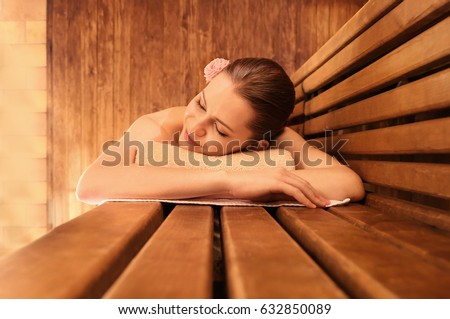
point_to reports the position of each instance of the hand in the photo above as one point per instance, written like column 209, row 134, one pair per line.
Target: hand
column 274, row 184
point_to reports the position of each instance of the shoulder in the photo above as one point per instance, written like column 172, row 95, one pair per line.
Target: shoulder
column 158, row 125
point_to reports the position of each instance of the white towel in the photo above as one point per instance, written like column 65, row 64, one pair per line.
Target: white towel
column 226, row 202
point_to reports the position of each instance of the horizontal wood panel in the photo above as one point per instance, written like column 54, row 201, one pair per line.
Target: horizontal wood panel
column 299, row 109
column 365, row 17
column 415, row 138
column 176, row 262
column 422, row 52
column 262, row 261
column 425, row 214
column 432, row 245
column 299, row 93
column 366, row 265
column 431, row 179
column 427, row 94
column 401, row 22
column 82, row 257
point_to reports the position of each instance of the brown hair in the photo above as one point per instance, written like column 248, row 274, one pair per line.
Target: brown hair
column 268, row 89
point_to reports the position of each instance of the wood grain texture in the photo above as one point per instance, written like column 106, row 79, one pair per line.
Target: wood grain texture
column 341, row 36
column 427, row 94
column 427, row 137
column 115, row 60
column 424, row 214
column 176, row 262
column 427, row 242
column 392, row 29
column 366, row 265
column 425, row 51
column 81, row 258
column 299, row 110
column 262, row 261
column 432, row 179
column 299, row 93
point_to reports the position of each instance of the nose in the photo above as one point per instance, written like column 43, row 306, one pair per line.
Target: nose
column 200, row 132
column 199, row 128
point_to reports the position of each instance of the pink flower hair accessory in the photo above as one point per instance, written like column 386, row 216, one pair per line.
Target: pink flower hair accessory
column 215, row 67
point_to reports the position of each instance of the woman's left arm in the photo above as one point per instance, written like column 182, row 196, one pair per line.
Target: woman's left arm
column 333, row 179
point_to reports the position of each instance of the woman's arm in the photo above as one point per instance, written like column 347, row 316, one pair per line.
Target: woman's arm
column 118, row 174
column 119, row 171
column 322, row 171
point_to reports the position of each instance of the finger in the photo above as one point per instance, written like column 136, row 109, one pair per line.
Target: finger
column 297, row 194
column 309, row 191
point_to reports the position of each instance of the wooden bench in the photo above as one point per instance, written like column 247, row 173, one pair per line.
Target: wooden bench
column 381, row 84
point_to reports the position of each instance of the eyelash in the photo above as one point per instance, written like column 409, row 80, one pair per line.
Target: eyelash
column 215, row 124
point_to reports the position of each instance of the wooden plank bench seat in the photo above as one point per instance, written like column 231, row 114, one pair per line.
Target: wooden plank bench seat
column 378, row 90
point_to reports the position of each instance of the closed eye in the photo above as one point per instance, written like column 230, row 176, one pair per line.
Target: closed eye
column 200, row 105
column 218, row 131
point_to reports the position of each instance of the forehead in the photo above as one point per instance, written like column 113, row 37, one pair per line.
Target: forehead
column 225, row 104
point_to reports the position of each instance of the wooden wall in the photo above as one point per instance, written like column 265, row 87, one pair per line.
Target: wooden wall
column 114, row 60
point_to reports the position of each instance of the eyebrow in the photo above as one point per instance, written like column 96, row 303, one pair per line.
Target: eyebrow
column 204, row 100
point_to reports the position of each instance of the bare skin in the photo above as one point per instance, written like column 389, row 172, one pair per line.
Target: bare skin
column 215, row 123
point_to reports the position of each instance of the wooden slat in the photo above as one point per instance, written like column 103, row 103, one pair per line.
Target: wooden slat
column 422, row 137
column 425, row 214
column 104, row 109
column 432, row 179
column 81, row 258
column 422, row 52
column 299, row 109
column 58, row 113
column 363, row 19
column 367, row 266
column 400, row 23
column 432, row 245
column 122, row 67
column 299, row 93
column 427, row 94
column 262, row 261
column 176, row 262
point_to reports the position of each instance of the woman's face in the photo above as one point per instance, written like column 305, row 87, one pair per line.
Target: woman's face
column 216, row 120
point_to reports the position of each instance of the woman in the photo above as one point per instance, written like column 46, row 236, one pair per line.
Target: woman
column 245, row 105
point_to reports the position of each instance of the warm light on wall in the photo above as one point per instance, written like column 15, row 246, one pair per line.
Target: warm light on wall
column 23, row 123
